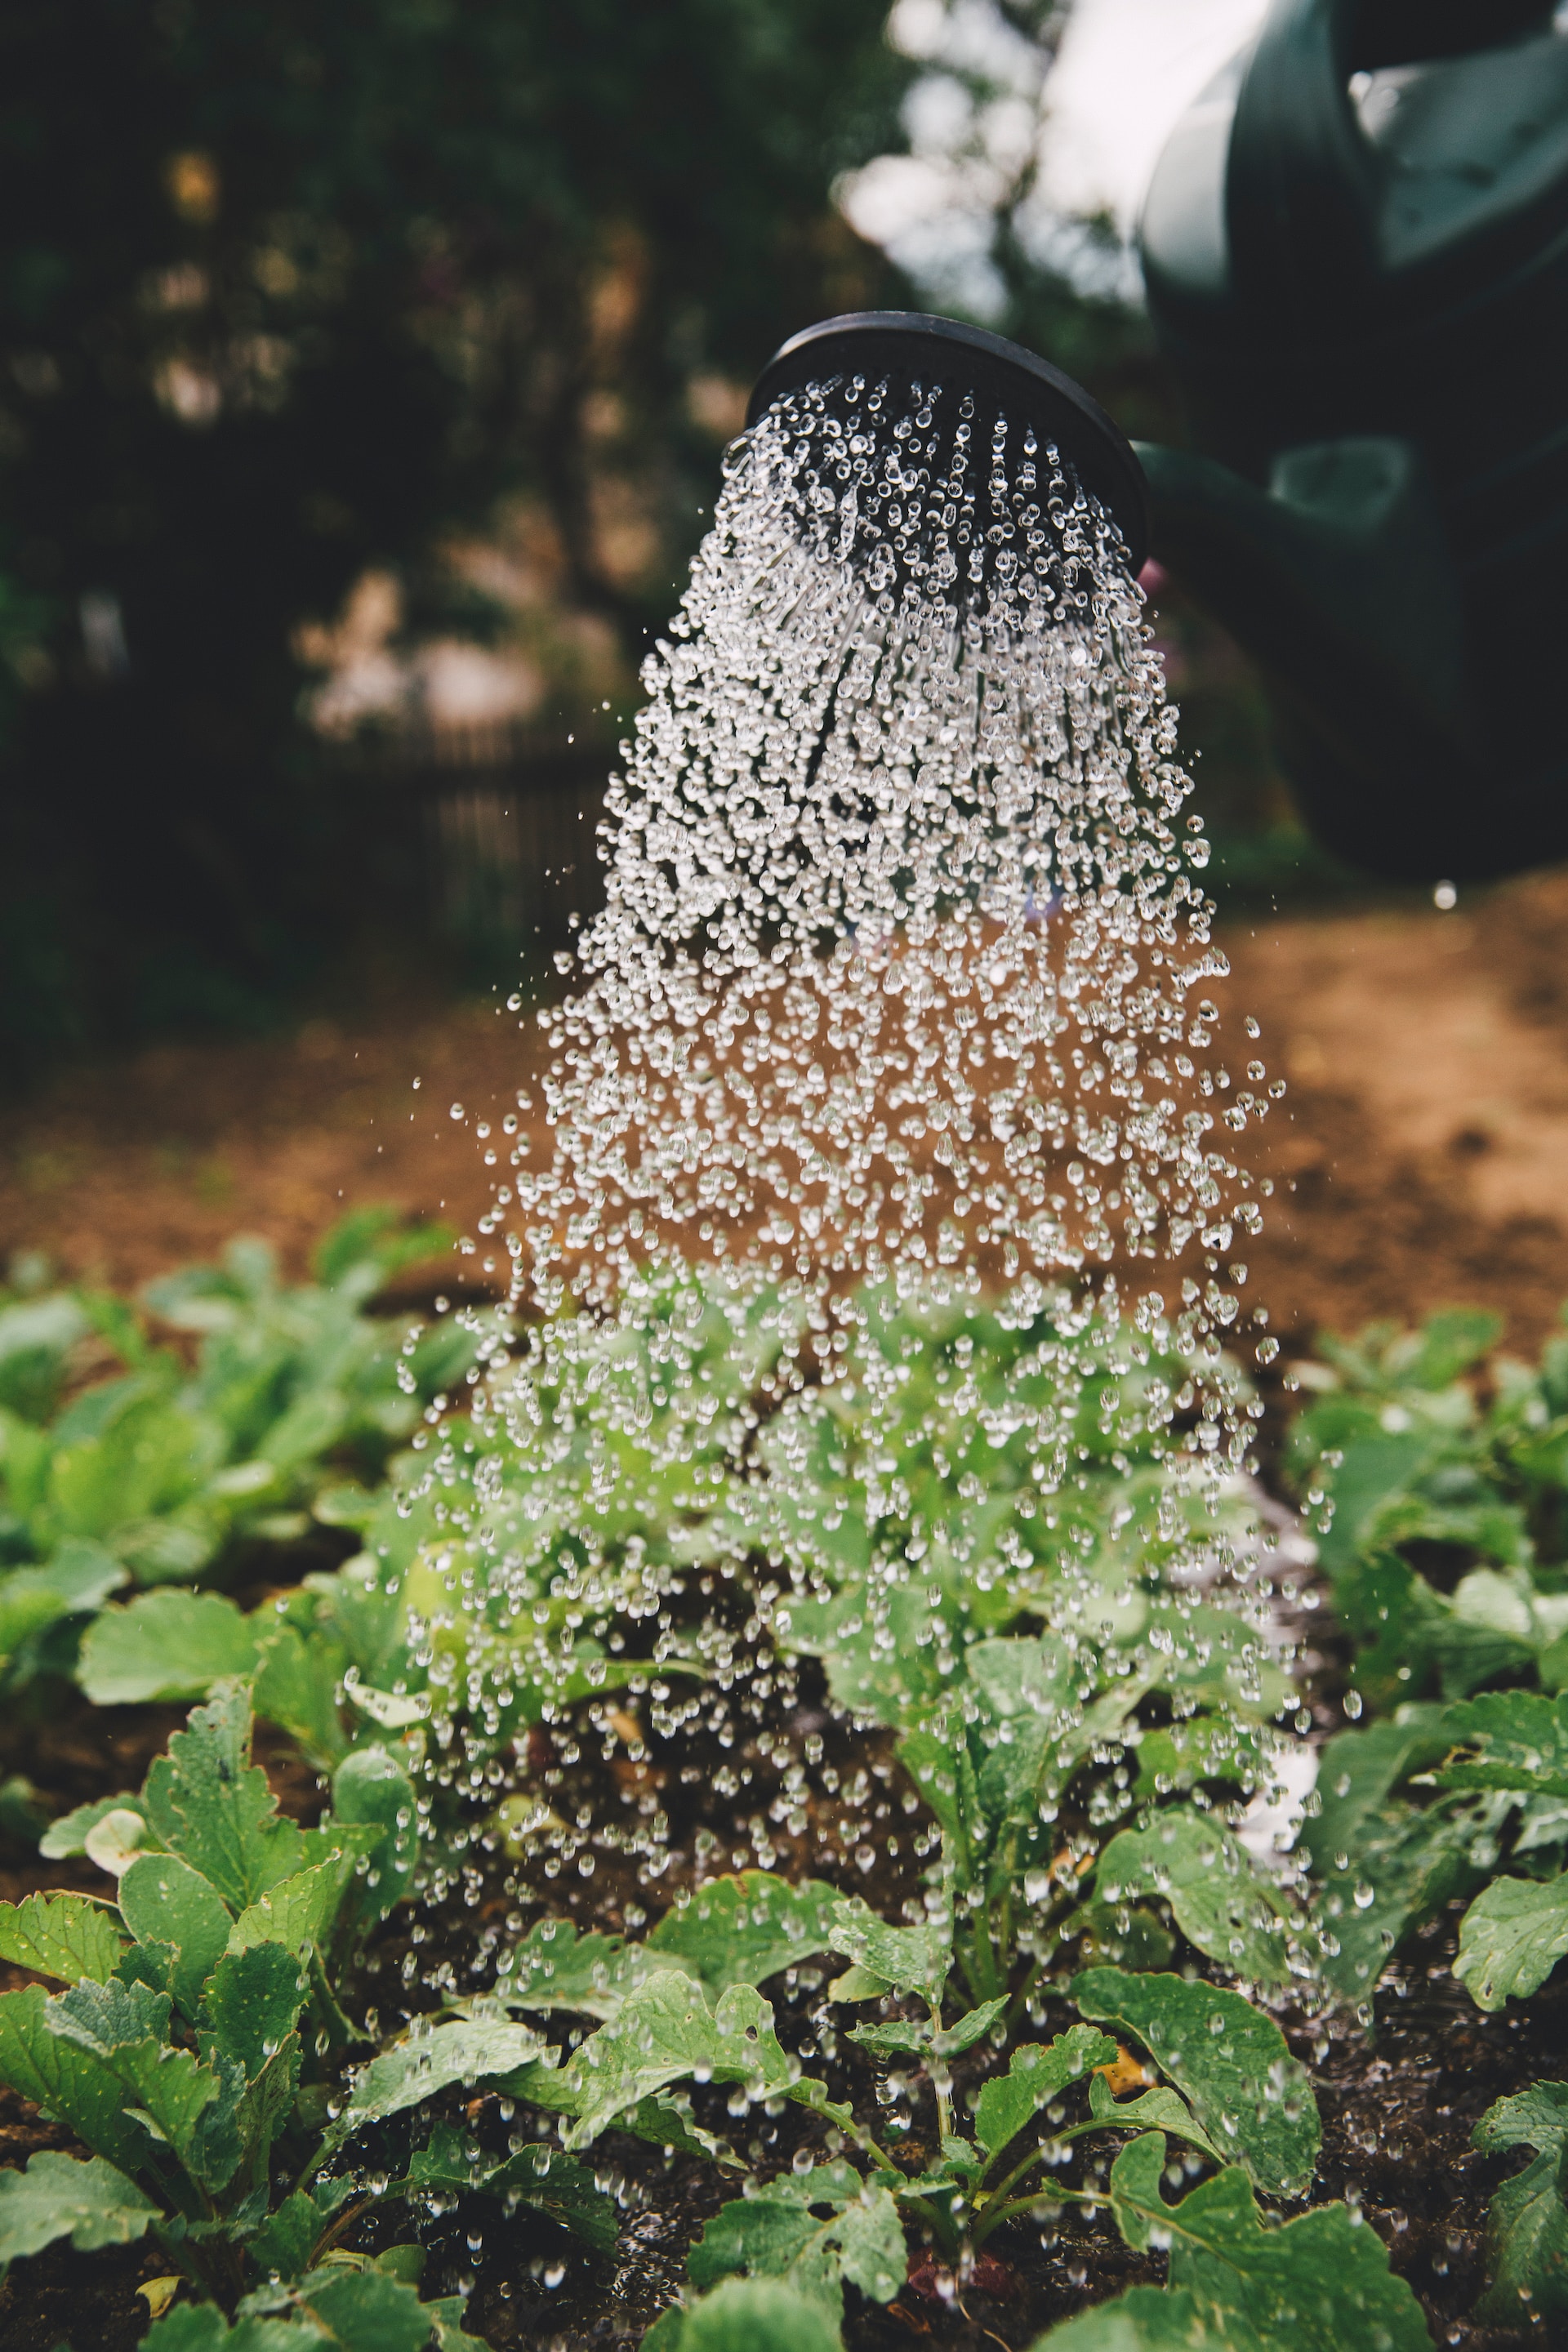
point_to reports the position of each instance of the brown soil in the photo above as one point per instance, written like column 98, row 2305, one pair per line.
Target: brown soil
column 1420, row 1155
column 1421, row 1152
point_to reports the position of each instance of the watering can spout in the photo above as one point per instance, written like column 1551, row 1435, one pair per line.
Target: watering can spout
column 1338, row 580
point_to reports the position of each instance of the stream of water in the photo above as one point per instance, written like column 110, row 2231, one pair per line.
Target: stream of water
column 903, row 969
column 901, row 1001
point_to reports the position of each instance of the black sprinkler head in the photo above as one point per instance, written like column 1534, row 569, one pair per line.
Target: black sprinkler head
column 906, row 347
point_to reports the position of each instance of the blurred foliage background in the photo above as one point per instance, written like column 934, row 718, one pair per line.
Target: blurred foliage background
column 363, row 374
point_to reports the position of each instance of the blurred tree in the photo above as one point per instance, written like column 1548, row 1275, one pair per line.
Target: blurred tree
column 286, row 291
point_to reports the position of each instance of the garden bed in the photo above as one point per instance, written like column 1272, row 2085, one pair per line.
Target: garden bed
column 1398, row 2109
column 1406, row 1172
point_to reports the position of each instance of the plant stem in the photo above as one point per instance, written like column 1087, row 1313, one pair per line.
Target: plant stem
column 941, row 2081
column 1017, row 2174
column 872, row 2147
column 1001, row 1943
column 324, row 2002
column 180, row 2249
column 987, row 2213
column 942, row 2226
column 337, row 2224
column 1020, row 1998
column 996, row 2216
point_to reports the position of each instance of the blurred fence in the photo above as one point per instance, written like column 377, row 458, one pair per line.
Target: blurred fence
column 497, row 824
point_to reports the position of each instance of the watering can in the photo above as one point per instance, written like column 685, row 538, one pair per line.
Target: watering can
column 1355, row 247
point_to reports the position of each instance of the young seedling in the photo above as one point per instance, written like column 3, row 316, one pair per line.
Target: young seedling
column 197, row 2011
column 683, row 2008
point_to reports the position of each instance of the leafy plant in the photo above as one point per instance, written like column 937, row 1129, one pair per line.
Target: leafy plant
column 192, row 2005
column 1315, row 2284
column 510, row 1566
column 684, row 2006
column 991, row 1536
column 1445, row 1547
column 511, row 1549
column 151, row 1477
column 362, row 2306
column 1444, row 1526
column 1500, row 1824
column 1527, row 2223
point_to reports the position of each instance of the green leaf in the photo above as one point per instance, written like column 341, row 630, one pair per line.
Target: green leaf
column 1156, row 2110
column 1229, row 2061
column 1411, row 1863
column 283, row 2245
column 162, row 1899
column 366, row 2311
column 266, row 2104
column 65, row 1935
column 743, row 1929
column 752, row 2315
column 78, row 1578
column 1034, row 2076
column 1198, row 1747
column 68, row 2080
column 202, row 2328
column 942, row 1773
column 777, row 2234
column 432, row 2062
column 668, row 2123
column 905, row 2033
column 1027, row 1687
column 1527, row 2247
column 1511, row 1938
column 554, row 1967
column 1152, row 2319
column 1527, row 2220
column 447, row 2313
column 1319, row 2284
column 37, row 1335
column 542, row 2176
column 297, row 1687
column 60, row 2195
column 1217, row 1898
column 858, row 1984
column 909, row 1959
column 1535, row 2119
column 125, row 2026
column 68, row 1836
column 211, row 1805
column 1520, row 1741
column 295, row 1913
column 163, row 1645
column 368, row 1246
column 371, row 1791
column 119, row 1839
column 1121, row 1939
column 149, row 1964
column 253, row 2003
column 1360, row 1770
column 666, row 2031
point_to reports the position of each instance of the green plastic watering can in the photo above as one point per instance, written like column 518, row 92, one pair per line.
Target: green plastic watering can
column 1355, row 245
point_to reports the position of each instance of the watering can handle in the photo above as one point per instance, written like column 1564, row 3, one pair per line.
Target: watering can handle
column 1304, row 184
